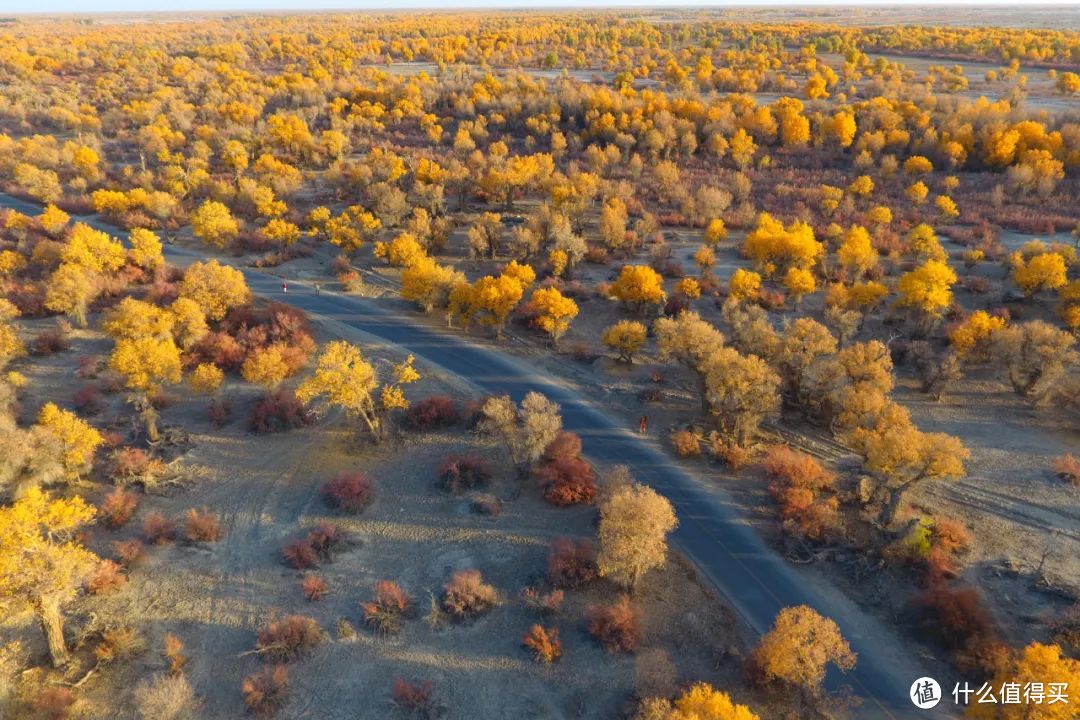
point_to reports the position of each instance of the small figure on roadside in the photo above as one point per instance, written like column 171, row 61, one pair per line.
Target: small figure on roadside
column 317, row 288
column 284, row 286
column 643, row 425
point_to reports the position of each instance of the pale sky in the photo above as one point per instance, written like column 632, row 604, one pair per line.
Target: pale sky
column 128, row 6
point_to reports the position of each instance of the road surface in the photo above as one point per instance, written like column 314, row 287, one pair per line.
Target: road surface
column 712, row 532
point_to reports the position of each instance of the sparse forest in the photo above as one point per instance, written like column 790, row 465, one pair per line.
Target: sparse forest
column 827, row 267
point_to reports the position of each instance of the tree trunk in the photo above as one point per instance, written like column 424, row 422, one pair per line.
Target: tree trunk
column 894, row 502
column 150, row 417
column 52, row 624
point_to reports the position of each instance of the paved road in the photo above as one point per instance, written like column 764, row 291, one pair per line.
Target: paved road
column 712, row 531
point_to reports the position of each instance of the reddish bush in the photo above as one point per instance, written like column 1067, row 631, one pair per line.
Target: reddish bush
column 685, row 443
column 541, row 602
column 277, row 412
column 615, row 626
column 87, row 367
column 221, row 349
column 88, row 400
column 266, row 691
column 950, row 535
column 567, row 481
column 135, row 465
column 570, row 563
column 128, row 552
column 349, row 491
column 117, row 508
column 107, row 576
column 385, row 611
column 299, row 554
column 953, row 615
column 219, row 412
column 158, row 529
column 565, row 446
column 733, row 455
column 201, row 526
column 466, row 595
column 1067, row 468
column 458, row 473
column 415, row 697
column 287, row 638
column 797, row 469
column 314, row 587
column 325, row 538
column 544, row 643
column 437, row 411
column 50, row 342
column 54, row 703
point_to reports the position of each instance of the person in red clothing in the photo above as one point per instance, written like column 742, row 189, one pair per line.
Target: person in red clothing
column 643, row 425
column 284, row 286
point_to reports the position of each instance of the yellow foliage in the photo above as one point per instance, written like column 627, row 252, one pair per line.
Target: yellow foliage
column 554, row 311
column 772, row 244
column 715, row 231
column 971, row 338
column 145, row 249
column 927, row 288
column 799, row 282
column 213, row 223
column 146, row 362
column 638, row 285
column 70, row 290
column 1046, row 271
column 266, row 366
column 53, row 220
column 131, row 319
column 703, row 702
column 627, row 337
column 857, row 253
column 206, row 378
column 93, row 250
column 744, row 284
column 79, row 439
column 215, row 288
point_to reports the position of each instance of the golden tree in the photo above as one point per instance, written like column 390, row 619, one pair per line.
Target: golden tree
column 132, row 319
column 1045, row 271
column 799, row 282
column 428, row 284
column 206, row 378
column 799, row 648
column 972, row 338
column 744, row 284
column 634, row 523
column 213, row 223
column 266, row 366
column 70, row 290
column 347, row 380
column 773, row 246
column 216, row 288
column 93, row 250
column 146, row 363
column 53, row 220
column 78, row 439
column 741, row 391
column 928, row 288
column 638, row 286
column 1037, row 664
column 42, row 564
column 145, row 249
column 701, row 701
column 857, row 254
column 554, row 311
column 189, row 322
column 626, row 337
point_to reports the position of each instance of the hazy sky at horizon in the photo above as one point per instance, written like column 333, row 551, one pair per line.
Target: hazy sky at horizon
column 128, row 6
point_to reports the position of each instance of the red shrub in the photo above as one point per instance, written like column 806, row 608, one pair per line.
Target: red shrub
column 416, row 697
column 615, row 626
column 570, row 563
column 128, row 552
column 541, row 602
column 277, row 412
column 685, row 443
column 54, row 703
column 314, row 587
column 565, row 446
column 385, row 611
column 567, row 481
column 954, row 616
column 458, row 473
column 287, row 638
column 219, row 412
column 266, row 691
column 1067, row 468
column 544, row 643
column 950, row 535
column 50, row 342
column 324, row 539
column 158, row 529
column 117, row 508
column 299, row 554
column 202, row 526
column 107, row 576
column 735, row 456
column 135, row 465
column 466, row 595
column 88, row 400
column 486, row 504
column 437, row 411
column 221, row 349
column 797, row 469
column 349, row 491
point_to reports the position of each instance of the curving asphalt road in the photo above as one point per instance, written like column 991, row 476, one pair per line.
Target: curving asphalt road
column 712, row 532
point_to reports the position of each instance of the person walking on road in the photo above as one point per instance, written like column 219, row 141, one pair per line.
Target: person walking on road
column 284, row 286
column 643, row 425
column 317, row 288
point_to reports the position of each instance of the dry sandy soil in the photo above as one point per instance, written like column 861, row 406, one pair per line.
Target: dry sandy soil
column 266, row 489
